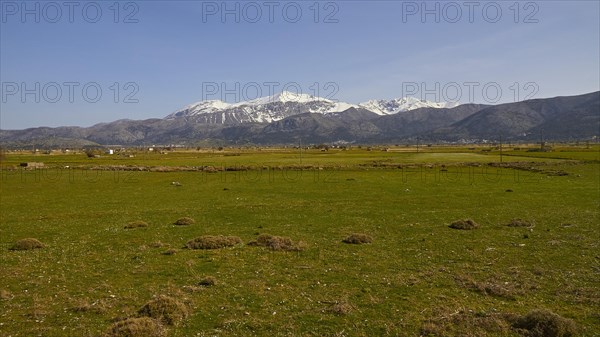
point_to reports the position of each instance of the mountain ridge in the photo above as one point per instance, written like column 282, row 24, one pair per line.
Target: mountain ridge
column 557, row 118
column 285, row 104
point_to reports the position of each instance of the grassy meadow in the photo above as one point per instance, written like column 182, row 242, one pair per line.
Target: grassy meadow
column 418, row 277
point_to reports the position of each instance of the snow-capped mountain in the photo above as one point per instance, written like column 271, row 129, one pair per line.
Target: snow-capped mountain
column 285, row 104
column 204, row 107
column 264, row 109
column 385, row 107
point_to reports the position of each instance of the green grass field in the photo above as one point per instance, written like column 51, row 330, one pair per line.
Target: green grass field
column 417, row 277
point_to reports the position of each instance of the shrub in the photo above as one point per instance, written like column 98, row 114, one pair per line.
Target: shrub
column 277, row 243
column 136, row 327
column 358, row 239
column 27, row 244
column 185, row 221
column 519, row 223
column 466, row 224
column 213, row 242
column 165, row 309
column 544, row 323
column 136, row 224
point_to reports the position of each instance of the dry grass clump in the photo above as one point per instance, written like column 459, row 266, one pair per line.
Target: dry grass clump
column 136, row 224
column 213, row 242
column 157, row 244
column 208, row 281
column 165, row 309
column 27, row 244
column 358, row 239
column 467, row 324
column 488, row 288
column 519, row 223
column 171, row 251
column 466, row 224
column 5, row 295
column 277, row 243
column 185, row 221
column 136, row 327
column 341, row 308
column 97, row 307
column 544, row 323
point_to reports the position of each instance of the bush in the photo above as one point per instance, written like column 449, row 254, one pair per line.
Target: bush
column 136, row 327
column 27, row 244
column 165, row 309
column 185, row 221
column 545, row 323
column 277, row 243
column 466, row 224
column 136, row 224
column 213, row 242
column 358, row 239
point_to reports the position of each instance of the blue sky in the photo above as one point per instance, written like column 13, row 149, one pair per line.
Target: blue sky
column 174, row 52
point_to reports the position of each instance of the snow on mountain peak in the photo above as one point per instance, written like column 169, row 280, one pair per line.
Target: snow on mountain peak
column 385, row 107
column 286, row 103
column 283, row 97
column 202, row 107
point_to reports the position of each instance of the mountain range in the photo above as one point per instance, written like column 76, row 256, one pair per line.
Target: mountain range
column 285, row 104
column 289, row 118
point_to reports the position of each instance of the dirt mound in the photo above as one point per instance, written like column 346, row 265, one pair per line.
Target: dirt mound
column 358, row 239
column 466, row 224
column 27, row 244
column 341, row 308
column 519, row 223
column 136, row 224
column 277, row 243
column 208, row 281
column 185, row 221
column 544, row 323
column 136, row 327
column 165, row 309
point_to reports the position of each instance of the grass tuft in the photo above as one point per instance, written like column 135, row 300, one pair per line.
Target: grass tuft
column 165, row 309
column 277, row 243
column 466, row 224
column 136, row 327
column 27, row 244
column 358, row 239
column 213, row 242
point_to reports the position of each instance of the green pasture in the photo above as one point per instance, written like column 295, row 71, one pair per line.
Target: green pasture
column 417, row 277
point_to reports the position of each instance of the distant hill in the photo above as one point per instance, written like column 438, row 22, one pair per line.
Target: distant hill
column 572, row 117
